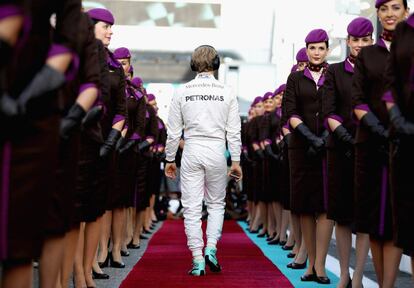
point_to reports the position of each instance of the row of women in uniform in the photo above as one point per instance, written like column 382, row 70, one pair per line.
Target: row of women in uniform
column 339, row 152
column 80, row 141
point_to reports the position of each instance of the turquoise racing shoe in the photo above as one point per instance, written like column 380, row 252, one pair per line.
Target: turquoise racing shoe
column 211, row 259
column 199, row 268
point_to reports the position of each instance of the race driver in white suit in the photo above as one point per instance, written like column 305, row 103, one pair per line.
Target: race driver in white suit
column 208, row 112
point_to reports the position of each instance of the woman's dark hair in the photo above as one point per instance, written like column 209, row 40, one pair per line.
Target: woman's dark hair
column 94, row 21
column 326, row 42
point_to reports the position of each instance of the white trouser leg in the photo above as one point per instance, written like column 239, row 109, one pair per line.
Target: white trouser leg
column 192, row 193
column 216, row 182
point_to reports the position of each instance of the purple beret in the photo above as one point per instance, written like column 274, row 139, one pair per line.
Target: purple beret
column 280, row 89
column 267, row 95
column 136, row 81
column 316, row 36
column 150, row 97
column 294, row 68
column 122, row 53
column 378, row 3
column 301, row 56
column 360, row 27
column 101, row 14
column 257, row 100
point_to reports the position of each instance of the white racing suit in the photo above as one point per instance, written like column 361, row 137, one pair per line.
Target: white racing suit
column 208, row 112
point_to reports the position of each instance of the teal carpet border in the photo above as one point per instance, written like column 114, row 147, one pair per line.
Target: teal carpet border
column 277, row 255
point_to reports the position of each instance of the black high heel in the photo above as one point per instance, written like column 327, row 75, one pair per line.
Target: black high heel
column 145, row 231
column 105, row 263
column 274, row 241
column 321, row 279
column 271, row 237
column 124, row 253
column 288, row 248
column 297, row 266
column 142, row 237
column 131, row 245
column 262, row 235
column 291, row 255
column 102, row 276
column 115, row 264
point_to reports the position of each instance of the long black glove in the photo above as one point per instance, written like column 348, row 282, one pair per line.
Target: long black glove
column 128, row 145
column 316, row 142
column 160, row 155
column 400, row 123
column 346, row 139
column 92, row 116
column 373, row 124
column 269, row 152
column 46, row 80
column 109, row 143
column 71, row 121
column 259, row 154
column 343, row 135
column 245, row 155
column 5, row 51
column 120, row 143
column 143, row 145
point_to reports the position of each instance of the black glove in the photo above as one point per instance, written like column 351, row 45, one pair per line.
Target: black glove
column 71, row 121
column 259, row 154
column 346, row 139
column 120, row 143
column 400, row 123
column 287, row 138
column 92, row 116
column 373, row 124
column 143, row 145
column 128, row 145
column 270, row 154
column 343, row 135
column 160, row 155
column 6, row 51
column 245, row 155
column 109, row 143
column 46, row 80
column 316, row 142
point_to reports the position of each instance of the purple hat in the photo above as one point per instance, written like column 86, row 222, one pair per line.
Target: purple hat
column 267, row 95
column 136, row 81
column 378, row 3
column 316, row 36
column 150, row 97
column 280, row 89
column 257, row 100
column 301, row 56
column 294, row 68
column 122, row 53
column 360, row 27
column 101, row 14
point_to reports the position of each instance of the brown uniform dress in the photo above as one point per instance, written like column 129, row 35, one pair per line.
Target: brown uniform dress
column 29, row 144
column 143, row 180
column 64, row 214
column 400, row 82
column 372, row 202
column 115, row 112
column 270, row 130
column 337, row 104
column 304, row 100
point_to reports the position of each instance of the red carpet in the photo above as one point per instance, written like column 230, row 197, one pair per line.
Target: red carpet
column 167, row 260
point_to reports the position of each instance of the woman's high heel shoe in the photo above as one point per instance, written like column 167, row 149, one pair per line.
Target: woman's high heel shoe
column 96, row 275
column 105, row 263
column 115, row 264
column 297, row 266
